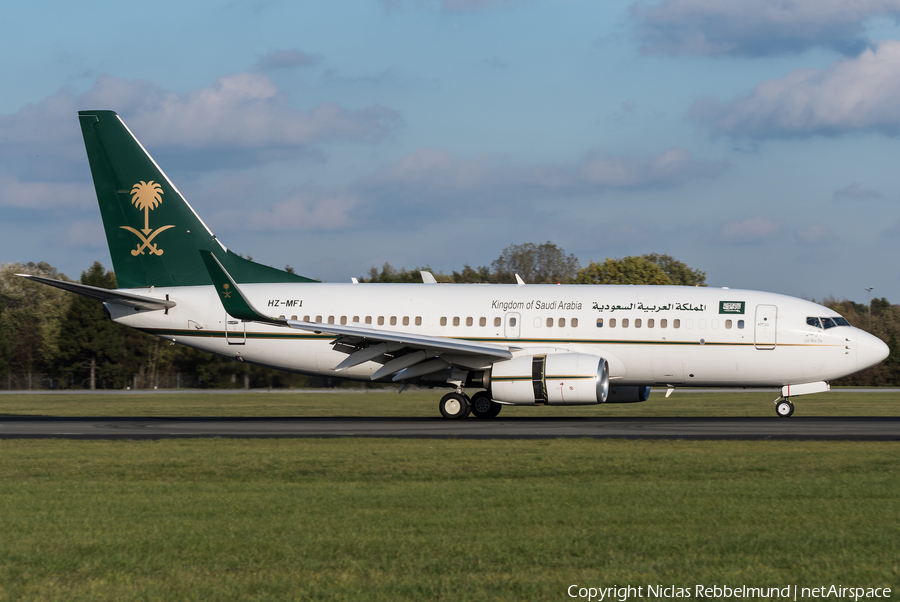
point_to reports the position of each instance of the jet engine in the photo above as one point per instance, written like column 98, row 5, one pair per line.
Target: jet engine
column 555, row 379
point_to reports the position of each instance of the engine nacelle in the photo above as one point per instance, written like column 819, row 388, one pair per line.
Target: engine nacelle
column 628, row 394
column 556, row 379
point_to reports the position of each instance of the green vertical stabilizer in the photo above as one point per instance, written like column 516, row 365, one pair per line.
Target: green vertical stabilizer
column 154, row 235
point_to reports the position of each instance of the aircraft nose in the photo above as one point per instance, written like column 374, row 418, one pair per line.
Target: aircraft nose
column 870, row 351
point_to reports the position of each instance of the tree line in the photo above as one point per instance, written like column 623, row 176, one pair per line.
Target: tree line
column 53, row 339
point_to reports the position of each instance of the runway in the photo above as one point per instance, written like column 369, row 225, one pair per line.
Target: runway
column 795, row 428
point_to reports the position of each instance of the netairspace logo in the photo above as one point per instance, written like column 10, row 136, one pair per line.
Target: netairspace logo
column 718, row 592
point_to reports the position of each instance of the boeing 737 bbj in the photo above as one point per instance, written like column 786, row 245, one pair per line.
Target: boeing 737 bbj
column 518, row 344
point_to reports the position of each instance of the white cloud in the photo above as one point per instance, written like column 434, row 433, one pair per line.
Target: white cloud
column 816, row 235
column 437, row 174
column 45, row 195
column 855, row 192
column 304, row 212
column 750, row 230
column 287, row 59
column 762, row 27
column 242, row 118
column 851, row 95
column 83, row 233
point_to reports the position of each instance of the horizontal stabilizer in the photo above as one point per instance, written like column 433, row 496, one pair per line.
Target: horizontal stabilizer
column 104, row 294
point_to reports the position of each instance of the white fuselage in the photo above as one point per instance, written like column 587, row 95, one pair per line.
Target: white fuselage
column 650, row 335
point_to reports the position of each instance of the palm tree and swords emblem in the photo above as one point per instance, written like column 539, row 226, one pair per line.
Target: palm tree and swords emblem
column 146, row 196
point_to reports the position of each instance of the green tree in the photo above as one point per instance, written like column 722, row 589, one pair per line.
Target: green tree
column 91, row 347
column 678, row 272
column 389, row 273
column 630, row 270
column 536, row 264
column 4, row 344
column 34, row 313
column 472, row 275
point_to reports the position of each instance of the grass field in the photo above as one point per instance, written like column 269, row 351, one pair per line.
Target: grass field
column 424, row 403
column 448, row 520
column 350, row 519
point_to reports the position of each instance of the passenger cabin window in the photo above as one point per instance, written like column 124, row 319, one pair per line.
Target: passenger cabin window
column 727, row 324
column 393, row 320
column 549, row 322
column 381, row 320
column 599, row 322
column 456, row 321
column 512, row 322
column 482, row 322
column 306, row 318
column 469, row 321
column 676, row 323
column 663, row 323
column 319, row 319
column 497, row 322
column 343, row 320
column 293, row 317
column 637, row 323
column 331, row 319
column 624, row 322
column 562, row 322
column 356, row 319
column 612, row 322
column 651, row 323
column 368, row 319
column 406, row 320
column 740, row 323
column 443, row 321
column 573, row 322
column 418, row 320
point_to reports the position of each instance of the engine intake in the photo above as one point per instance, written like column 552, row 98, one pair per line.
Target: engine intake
column 555, row 379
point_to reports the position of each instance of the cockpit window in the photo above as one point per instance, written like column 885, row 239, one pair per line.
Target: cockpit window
column 826, row 323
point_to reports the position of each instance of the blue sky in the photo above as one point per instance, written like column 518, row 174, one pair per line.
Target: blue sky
column 754, row 140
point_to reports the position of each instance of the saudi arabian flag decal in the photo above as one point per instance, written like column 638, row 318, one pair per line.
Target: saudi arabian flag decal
column 731, row 307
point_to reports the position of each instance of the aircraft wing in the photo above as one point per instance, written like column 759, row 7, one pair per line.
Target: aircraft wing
column 416, row 341
column 404, row 355
column 105, row 295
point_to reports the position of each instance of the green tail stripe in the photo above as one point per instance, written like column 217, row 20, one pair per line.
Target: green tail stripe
column 153, row 233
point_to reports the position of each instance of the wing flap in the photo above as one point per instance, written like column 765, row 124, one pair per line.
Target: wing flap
column 418, row 341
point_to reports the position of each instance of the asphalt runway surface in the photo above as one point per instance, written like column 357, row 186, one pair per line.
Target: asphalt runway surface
column 794, row 428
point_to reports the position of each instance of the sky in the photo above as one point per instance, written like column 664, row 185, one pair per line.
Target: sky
column 753, row 140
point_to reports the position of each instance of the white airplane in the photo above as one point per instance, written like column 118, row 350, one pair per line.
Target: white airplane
column 517, row 344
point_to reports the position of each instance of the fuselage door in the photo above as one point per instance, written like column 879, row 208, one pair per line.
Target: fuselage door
column 766, row 326
column 235, row 331
column 512, row 325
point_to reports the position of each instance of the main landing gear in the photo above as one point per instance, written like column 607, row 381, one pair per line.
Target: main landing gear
column 784, row 407
column 485, row 407
column 456, row 405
